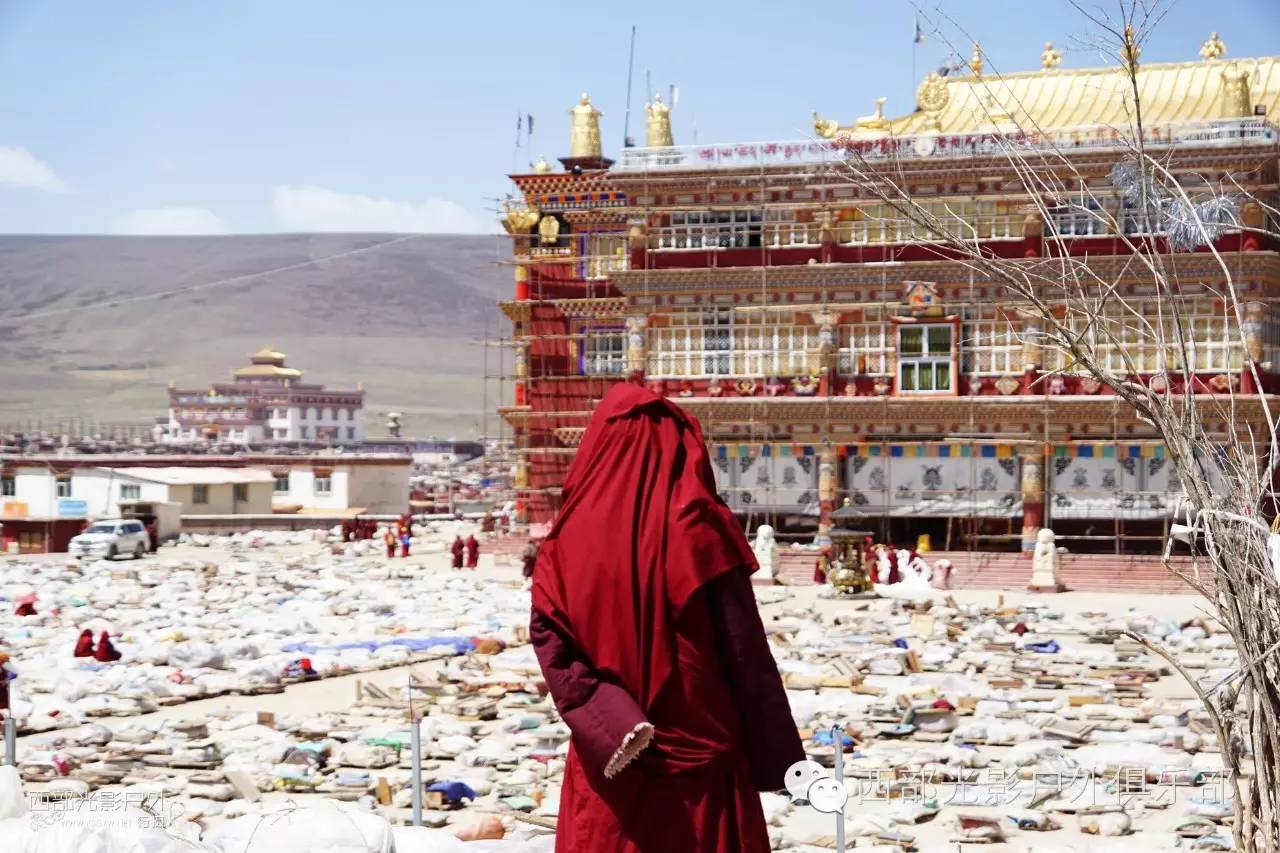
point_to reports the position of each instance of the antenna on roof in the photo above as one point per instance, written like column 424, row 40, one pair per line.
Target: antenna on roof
column 627, row 141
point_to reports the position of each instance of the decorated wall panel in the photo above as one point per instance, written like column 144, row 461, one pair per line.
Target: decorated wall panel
column 933, row 480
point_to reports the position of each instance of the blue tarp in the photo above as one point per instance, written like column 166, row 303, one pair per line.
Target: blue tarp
column 460, row 645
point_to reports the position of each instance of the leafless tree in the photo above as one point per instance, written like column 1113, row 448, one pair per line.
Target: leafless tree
column 1222, row 443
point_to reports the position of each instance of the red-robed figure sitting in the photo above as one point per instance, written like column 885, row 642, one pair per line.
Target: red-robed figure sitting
column 105, row 652
column 84, row 645
column 647, row 632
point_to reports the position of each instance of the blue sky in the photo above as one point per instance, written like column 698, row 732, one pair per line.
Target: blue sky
column 163, row 116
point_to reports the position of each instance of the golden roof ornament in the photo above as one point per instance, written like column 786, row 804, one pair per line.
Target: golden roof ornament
column 875, row 121
column 542, row 167
column 584, row 135
column 518, row 219
column 548, row 231
column 1213, row 48
column 932, row 97
column 1050, row 57
column 975, row 62
column 1235, row 99
column 1130, row 53
column 658, row 124
column 825, row 127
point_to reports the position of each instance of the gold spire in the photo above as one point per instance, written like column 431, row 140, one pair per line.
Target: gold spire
column 975, row 63
column 658, row 125
column 1050, row 57
column 1130, row 53
column 1213, row 48
column 825, row 127
column 541, row 167
column 584, row 137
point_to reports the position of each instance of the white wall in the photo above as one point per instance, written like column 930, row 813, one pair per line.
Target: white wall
column 383, row 489
column 100, row 489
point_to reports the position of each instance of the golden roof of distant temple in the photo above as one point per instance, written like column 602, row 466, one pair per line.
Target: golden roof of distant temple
column 267, row 362
column 968, row 100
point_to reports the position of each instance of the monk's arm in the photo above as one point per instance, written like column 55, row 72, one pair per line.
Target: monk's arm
column 769, row 730
column 609, row 728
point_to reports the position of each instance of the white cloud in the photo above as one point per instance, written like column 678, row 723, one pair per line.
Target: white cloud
column 318, row 209
column 20, row 168
column 171, row 221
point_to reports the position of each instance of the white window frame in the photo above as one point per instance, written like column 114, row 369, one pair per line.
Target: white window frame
column 63, row 486
column 604, row 352
column 323, row 484
column 200, row 493
column 935, row 363
column 276, row 490
column 991, row 346
column 8, row 486
column 130, row 492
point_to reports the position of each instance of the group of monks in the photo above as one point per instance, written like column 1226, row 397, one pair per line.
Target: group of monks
column 890, row 570
column 105, row 651
column 355, row 529
column 399, row 535
column 471, row 548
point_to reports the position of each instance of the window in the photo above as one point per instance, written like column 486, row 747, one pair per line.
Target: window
column 716, row 342
column 1082, row 219
column 866, row 349
column 604, row 352
column 924, row 358
column 324, row 414
column 240, row 492
column 200, row 494
column 606, row 254
column 130, row 492
column 351, row 433
column 351, row 414
column 991, row 346
column 324, row 484
column 723, row 229
column 305, row 432
column 133, row 527
column 282, row 484
column 8, row 487
column 64, row 486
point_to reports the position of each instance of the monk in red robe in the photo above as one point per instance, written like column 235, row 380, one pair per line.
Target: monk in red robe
column 390, row 540
column 473, row 552
column 84, row 645
column 647, row 632
column 105, row 653
column 457, row 548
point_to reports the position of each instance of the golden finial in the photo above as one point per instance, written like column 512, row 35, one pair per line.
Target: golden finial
column 658, row 124
column 1129, row 55
column 1213, row 48
column 584, row 137
column 975, row 63
column 1050, row 57
column 542, row 167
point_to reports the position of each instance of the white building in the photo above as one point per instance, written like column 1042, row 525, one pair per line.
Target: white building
column 265, row 402
column 322, row 484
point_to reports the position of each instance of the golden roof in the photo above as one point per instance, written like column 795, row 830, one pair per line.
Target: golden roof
column 267, row 370
column 267, row 355
column 1057, row 98
column 267, row 363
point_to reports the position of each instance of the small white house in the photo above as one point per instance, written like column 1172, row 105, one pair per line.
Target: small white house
column 378, row 485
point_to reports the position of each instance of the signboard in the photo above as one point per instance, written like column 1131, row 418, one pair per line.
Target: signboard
column 72, row 508
column 15, row 509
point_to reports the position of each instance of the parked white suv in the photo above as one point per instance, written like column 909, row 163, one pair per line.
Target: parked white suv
column 110, row 539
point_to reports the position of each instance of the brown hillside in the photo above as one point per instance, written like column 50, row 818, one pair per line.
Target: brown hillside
column 406, row 319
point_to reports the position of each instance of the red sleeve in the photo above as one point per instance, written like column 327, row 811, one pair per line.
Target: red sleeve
column 771, row 739
column 608, row 727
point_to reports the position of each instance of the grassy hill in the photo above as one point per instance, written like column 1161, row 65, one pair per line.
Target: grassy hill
column 99, row 326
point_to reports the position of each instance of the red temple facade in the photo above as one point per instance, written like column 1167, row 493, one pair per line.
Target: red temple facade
column 832, row 356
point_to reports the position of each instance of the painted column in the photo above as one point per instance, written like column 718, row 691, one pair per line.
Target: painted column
column 1251, row 330
column 522, row 283
column 637, row 346
column 520, row 479
column 826, row 492
column 1033, row 460
column 825, row 358
column 1032, row 349
column 520, row 369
